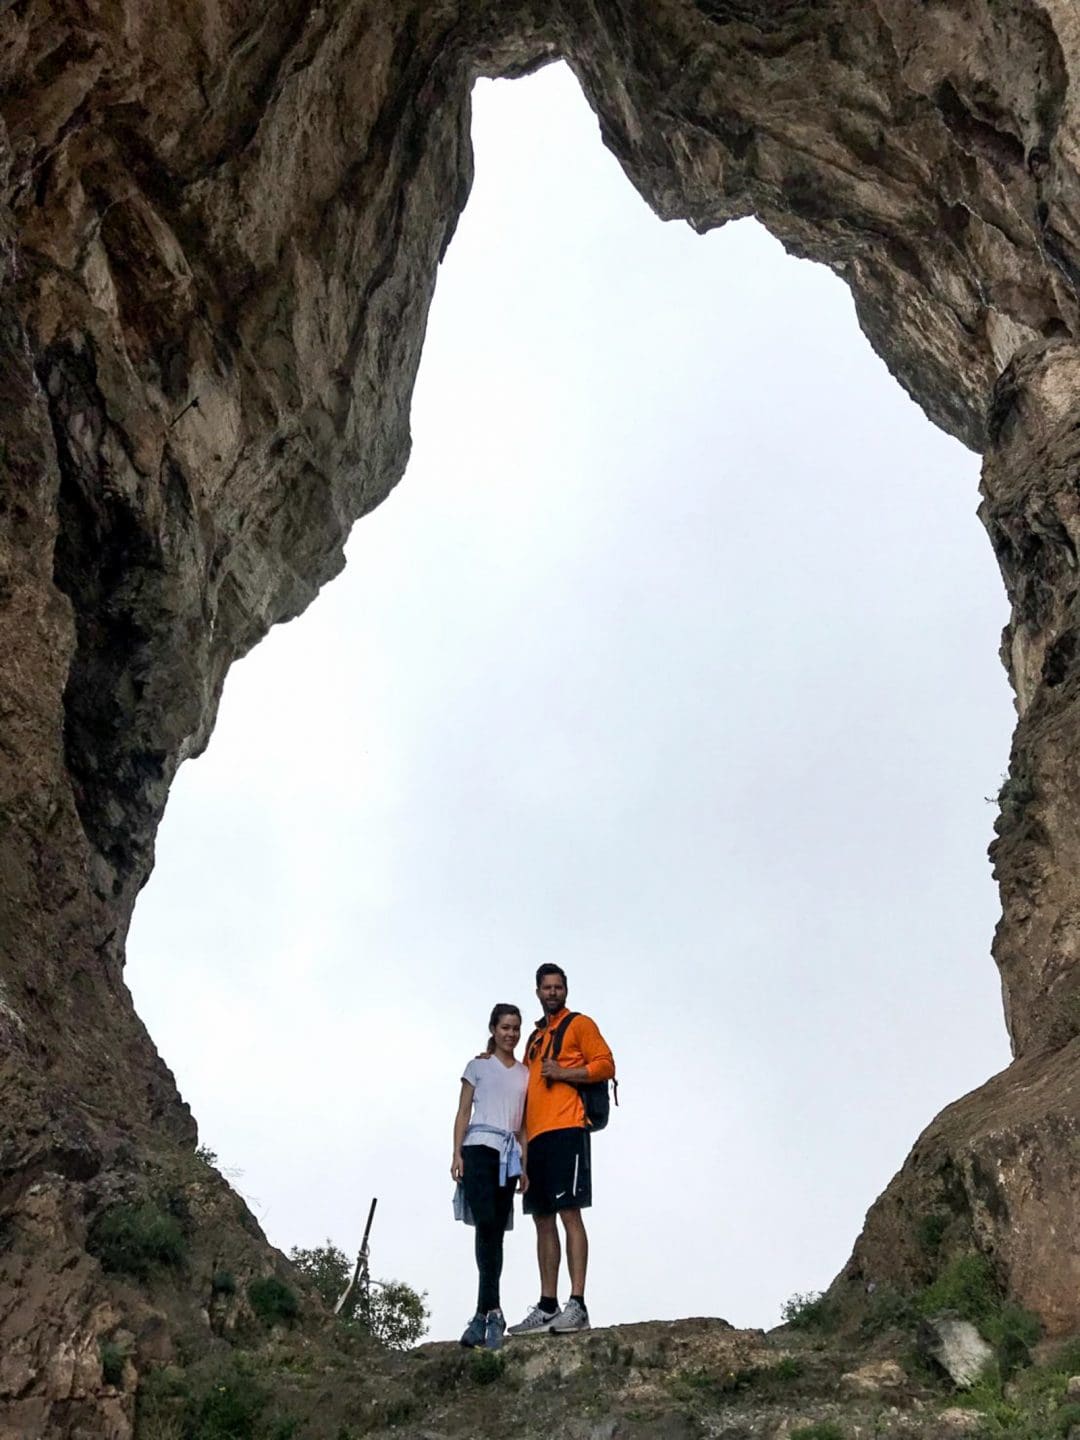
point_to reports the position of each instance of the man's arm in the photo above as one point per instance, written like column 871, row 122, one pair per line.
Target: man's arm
column 599, row 1062
column 523, row 1141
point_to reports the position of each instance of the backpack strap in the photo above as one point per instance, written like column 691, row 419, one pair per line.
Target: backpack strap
column 557, row 1035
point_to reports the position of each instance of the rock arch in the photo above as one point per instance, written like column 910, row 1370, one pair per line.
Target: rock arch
column 218, row 243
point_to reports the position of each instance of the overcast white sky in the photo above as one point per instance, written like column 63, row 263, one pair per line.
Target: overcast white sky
column 673, row 660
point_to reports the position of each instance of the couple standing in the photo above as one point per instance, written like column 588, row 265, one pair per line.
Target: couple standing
column 525, row 1127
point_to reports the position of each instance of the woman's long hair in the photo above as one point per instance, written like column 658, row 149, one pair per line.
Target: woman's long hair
column 496, row 1015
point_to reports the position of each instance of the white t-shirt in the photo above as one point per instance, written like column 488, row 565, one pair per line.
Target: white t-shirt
column 498, row 1097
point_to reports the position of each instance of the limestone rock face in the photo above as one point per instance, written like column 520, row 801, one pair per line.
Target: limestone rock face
column 220, row 228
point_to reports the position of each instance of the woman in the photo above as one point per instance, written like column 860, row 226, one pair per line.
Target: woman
column 489, row 1162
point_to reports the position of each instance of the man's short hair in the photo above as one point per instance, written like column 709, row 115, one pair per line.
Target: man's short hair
column 551, row 970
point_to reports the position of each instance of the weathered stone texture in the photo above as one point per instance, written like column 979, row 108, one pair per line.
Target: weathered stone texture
column 219, row 233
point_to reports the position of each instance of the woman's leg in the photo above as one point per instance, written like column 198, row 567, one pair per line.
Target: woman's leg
column 489, row 1250
column 489, row 1259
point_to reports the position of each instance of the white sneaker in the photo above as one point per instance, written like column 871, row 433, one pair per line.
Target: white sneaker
column 573, row 1316
column 536, row 1322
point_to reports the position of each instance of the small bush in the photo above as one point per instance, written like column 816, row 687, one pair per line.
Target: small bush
column 486, row 1366
column 206, row 1155
column 787, row 1368
column 223, row 1282
column 823, row 1430
column 1012, row 1332
column 930, row 1231
column 219, row 1400
column 1066, row 1357
column 394, row 1314
column 1031, row 1407
column 113, row 1359
column 967, row 1285
column 888, row 1310
column 812, row 1311
column 272, row 1301
column 329, row 1271
column 137, row 1240
column 228, row 1410
column 160, row 1402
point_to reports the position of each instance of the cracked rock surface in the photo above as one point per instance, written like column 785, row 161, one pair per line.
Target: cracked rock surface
column 220, row 228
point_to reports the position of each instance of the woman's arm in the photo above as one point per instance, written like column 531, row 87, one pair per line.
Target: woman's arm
column 461, row 1124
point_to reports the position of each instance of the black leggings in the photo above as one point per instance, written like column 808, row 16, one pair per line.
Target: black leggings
column 491, row 1204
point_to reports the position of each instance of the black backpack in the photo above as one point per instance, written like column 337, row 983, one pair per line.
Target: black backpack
column 595, row 1094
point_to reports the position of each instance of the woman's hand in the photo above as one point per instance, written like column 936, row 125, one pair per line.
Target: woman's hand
column 457, row 1166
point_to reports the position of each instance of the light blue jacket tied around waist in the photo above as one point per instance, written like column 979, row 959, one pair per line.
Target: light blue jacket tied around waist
column 509, row 1168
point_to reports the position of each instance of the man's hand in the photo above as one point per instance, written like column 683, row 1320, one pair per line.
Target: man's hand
column 570, row 1074
column 523, row 1183
column 457, row 1166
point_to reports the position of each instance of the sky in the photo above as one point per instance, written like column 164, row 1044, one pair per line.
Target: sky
column 673, row 660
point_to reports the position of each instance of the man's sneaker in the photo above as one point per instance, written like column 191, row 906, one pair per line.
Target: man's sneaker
column 475, row 1331
column 495, row 1330
column 536, row 1322
column 574, row 1316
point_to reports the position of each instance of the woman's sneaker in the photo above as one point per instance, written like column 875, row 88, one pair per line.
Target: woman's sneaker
column 573, row 1316
column 475, row 1331
column 495, row 1330
column 536, row 1322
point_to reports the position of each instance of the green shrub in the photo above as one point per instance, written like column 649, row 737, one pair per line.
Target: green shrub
column 329, row 1270
column 1012, row 1332
column 394, row 1314
column 223, row 1282
column 1031, row 1407
column 787, row 1368
column 930, row 1231
column 888, row 1310
column 967, row 1285
column 1065, row 1357
column 390, row 1311
column 137, row 1240
column 823, row 1430
column 206, row 1155
column 228, row 1410
column 812, row 1311
column 215, row 1400
column 486, row 1366
column 113, row 1359
column 272, row 1301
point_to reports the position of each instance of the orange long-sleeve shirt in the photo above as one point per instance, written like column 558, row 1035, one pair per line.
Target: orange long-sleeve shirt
column 556, row 1105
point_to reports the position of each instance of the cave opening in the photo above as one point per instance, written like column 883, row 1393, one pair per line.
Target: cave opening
column 672, row 659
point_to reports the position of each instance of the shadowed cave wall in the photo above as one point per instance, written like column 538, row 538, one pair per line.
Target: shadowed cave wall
column 248, row 213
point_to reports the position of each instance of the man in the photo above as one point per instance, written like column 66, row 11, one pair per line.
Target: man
column 559, row 1163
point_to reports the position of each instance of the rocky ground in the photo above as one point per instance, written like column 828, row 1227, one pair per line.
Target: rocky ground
column 679, row 1380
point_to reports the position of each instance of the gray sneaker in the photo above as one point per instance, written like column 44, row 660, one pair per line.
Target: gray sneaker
column 475, row 1331
column 573, row 1317
column 495, row 1330
column 536, row 1322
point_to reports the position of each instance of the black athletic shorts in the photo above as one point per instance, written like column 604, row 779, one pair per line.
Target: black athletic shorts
column 560, row 1172
column 490, row 1202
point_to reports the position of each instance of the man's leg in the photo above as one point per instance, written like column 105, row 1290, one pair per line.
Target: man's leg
column 577, row 1250
column 548, row 1254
